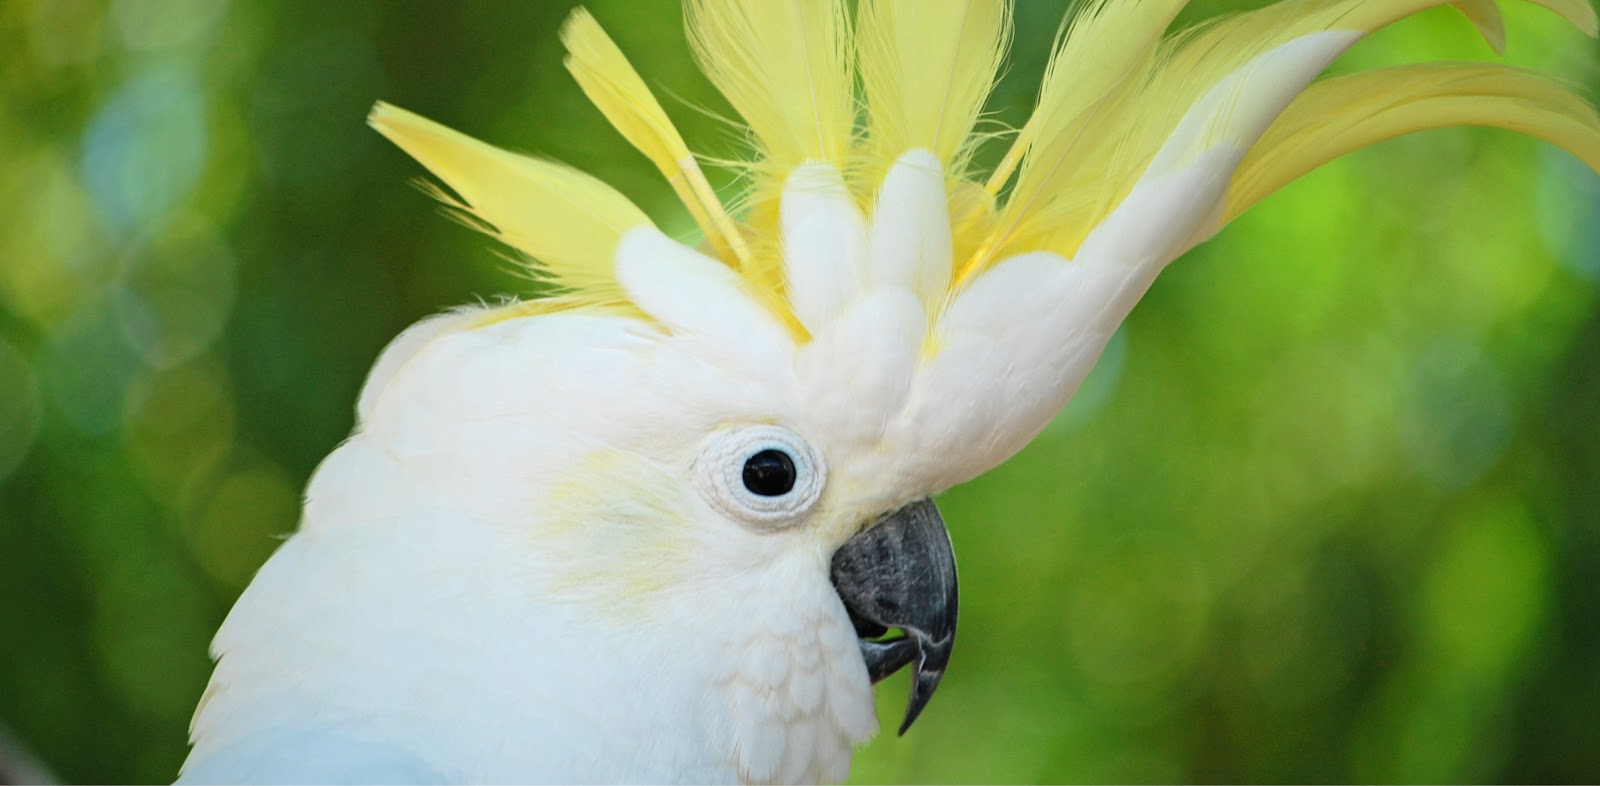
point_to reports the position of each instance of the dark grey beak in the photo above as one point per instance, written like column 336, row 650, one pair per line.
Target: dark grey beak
column 901, row 573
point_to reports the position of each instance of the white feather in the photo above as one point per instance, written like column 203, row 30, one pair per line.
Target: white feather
column 1237, row 109
column 694, row 294
column 824, row 243
column 400, row 351
column 1158, row 218
column 910, row 244
column 1013, row 347
column 855, row 373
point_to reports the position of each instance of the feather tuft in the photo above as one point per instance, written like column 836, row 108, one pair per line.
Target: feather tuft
column 786, row 66
column 567, row 222
column 1346, row 113
column 1101, row 60
column 616, row 89
column 1116, row 90
column 927, row 68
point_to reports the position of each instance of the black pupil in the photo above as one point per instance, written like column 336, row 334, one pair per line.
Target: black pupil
column 769, row 473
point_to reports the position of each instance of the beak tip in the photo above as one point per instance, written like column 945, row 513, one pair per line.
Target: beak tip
column 923, row 684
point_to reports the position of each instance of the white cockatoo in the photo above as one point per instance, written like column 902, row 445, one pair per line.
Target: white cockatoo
column 654, row 527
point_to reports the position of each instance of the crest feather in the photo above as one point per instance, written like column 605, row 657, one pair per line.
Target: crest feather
column 616, row 89
column 1121, row 98
column 1111, row 134
column 568, row 222
column 927, row 67
column 1338, row 115
column 786, row 66
column 1101, row 61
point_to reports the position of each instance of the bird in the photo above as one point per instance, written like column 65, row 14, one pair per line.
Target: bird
column 671, row 517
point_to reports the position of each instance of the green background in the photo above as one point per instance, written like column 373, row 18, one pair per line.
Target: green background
column 1328, row 509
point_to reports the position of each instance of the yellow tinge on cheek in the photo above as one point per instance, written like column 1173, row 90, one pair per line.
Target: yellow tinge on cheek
column 616, row 530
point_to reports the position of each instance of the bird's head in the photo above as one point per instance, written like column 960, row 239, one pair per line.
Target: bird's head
column 741, row 431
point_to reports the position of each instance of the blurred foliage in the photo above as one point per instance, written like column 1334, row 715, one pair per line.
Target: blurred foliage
column 1329, row 508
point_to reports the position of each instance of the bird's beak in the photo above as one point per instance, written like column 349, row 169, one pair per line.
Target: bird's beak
column 901, row 573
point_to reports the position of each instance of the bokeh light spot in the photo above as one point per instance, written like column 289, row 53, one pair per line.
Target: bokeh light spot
column 1486, row 593
column 1424, row 730
column 243, row 521
column 155, row 24
column 54, row 245
column 87, row 366
column 1460, row 413
column 178, row 291
column 1569, row 212
column 1481, row 609
column 181, row 425
column 146, row 147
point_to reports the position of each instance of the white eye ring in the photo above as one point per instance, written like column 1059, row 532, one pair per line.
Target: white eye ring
column 719, row 474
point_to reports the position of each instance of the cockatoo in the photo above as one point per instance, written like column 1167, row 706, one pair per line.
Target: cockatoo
column 654, row 527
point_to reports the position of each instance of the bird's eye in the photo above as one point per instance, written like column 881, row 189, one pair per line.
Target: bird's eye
column 769, row 473
column 762, row 476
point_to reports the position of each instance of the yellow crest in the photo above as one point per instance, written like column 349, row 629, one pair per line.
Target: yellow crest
column 815, row 86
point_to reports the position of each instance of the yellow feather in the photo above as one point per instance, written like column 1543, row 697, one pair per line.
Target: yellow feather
column 785, row 65
column 972, row 209
column 556, row 304
column 1346, row 113
column 927, row 66
column 1369, row 15
column 1087, row 147
column 1101, row 52
column 1100, row 62
column 568, row 222
column 614, row 87
column 1579, row 13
